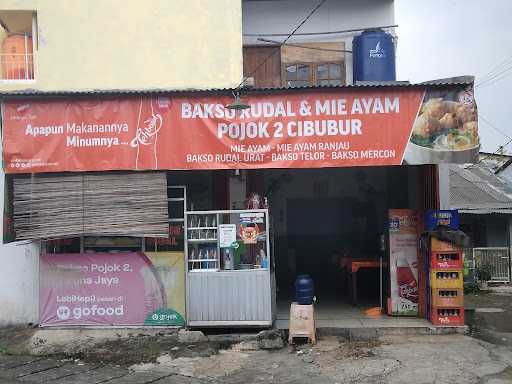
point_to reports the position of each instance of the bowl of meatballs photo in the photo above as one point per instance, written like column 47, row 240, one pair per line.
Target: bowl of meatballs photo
column 444, row 131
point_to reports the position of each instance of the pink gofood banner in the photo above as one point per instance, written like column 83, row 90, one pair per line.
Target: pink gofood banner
column 103, row 289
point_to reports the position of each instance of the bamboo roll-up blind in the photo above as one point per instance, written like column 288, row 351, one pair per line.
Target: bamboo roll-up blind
column 54, row 206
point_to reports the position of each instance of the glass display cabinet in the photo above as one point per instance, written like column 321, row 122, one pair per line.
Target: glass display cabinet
column 228, row 268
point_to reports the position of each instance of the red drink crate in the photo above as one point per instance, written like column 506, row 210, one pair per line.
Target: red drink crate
column 443, row 246
column 446, row 260
column 447, row 297
column 451, row 316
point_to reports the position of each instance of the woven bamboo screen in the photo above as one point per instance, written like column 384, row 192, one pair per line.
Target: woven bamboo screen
column 53, row 206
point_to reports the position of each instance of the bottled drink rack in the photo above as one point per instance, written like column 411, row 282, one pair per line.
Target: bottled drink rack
column 446, row 284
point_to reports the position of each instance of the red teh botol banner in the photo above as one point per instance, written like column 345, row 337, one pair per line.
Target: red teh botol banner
column 332, row 128
column 403, row 262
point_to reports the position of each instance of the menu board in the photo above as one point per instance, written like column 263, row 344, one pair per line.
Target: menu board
column 227, row 235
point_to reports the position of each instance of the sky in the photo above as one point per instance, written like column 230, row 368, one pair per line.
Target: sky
column 446, row 38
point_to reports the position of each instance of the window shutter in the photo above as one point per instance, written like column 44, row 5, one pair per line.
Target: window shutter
column 58, row 205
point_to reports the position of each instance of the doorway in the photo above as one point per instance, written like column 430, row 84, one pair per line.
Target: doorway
column 322, row 218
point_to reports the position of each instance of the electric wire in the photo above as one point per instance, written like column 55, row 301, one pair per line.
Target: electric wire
column 497, row 72
column 501, row 147
column 320, row 33
column 484, row 119
column 305, row 46
column 316, row 8
column 504, row 62
column 496, row 69
column 497, row 78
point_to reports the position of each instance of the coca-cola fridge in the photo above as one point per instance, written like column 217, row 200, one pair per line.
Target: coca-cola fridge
column 403, row 262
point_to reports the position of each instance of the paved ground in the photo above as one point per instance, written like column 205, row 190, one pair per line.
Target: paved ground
column 485, row 357
column 489, row 316
column 397, row 359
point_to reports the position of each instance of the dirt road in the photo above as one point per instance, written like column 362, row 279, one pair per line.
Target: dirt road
column 397, row 359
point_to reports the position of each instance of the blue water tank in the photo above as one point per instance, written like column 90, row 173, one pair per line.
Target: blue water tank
column 304, row 290
column 374, row 56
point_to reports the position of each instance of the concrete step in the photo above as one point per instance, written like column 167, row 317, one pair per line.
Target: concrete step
column 363, row 329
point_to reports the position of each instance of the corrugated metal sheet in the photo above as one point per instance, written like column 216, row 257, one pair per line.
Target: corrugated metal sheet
column 463, row 81
column 486, row 211
column 234, row 296
column 475, row 189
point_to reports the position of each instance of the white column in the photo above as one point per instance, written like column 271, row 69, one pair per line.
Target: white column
column 19, row 276
column 443, row 172
column 237, row 189
column 509, row 246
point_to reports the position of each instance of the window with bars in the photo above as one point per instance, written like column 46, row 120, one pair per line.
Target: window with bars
column 18, row 44
column 310, row 74
column 328, row 74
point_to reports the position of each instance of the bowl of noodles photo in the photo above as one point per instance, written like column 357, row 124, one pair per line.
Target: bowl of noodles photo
column 444, row 131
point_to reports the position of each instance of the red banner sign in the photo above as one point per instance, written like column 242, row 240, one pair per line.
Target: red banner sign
column 334, row 128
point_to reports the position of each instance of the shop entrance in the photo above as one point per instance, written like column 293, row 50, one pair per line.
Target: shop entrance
column 325, row 220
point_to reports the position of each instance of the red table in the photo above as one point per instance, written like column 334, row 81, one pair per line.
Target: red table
column 351, row 267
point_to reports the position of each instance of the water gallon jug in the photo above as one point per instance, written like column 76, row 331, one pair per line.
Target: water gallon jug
column 304, row 290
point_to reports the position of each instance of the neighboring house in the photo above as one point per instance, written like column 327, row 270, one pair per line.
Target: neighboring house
column 309, row 58
column 497, row 163
column 484, row 201
column 505, row 171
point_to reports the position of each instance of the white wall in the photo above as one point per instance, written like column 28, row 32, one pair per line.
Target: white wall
column 283, row 16
column 443, row 174
column 19, row 278
column 119, row 44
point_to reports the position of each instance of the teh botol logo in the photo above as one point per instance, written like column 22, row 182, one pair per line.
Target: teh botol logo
column 378, row 52
column 146, row 136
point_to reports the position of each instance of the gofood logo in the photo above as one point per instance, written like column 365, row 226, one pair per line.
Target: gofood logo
column 64, row 312
column 378, row 52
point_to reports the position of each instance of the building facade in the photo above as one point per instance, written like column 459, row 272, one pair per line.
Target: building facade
column 78, row 105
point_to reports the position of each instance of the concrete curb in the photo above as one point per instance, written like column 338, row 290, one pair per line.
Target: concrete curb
column 45, row 341
column 359, row 334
